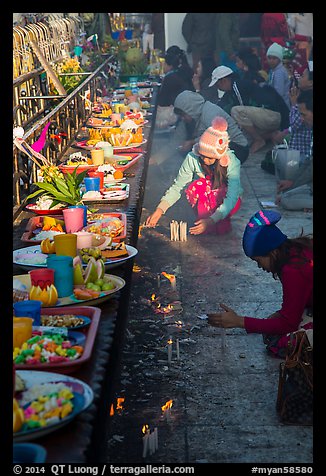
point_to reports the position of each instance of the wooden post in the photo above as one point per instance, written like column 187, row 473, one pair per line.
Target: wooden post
column 48, row 69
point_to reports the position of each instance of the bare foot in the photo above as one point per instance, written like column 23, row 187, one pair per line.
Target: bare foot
column 257, row 145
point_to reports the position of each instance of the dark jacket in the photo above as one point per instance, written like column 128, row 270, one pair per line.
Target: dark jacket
column 227, row 33
column 247, row 93
column 198, row 29
column 173, row 83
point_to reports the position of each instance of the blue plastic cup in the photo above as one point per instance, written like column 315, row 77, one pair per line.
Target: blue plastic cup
column 85, row 212
column 29, row 308
column 63, row 273
column 92, row 183
column 78, row 50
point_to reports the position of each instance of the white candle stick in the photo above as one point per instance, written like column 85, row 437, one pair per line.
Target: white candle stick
column 145, row 443
column 173, row 283
column 155, row 438
column 177, row 231
column 170, row 350
column 178, row 349
column 151, row 443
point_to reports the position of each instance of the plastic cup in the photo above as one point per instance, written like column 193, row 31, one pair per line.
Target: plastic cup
column 97, row 174
column 92, row 183
column 84, row 207
column 84, row 239
column 65, row 245
column 73, row 218
column 42, row 277
column 22, row 330
column 78, row 50
column 63, row 273
column 97, row 155
column 108, row 151
column 29, row 308
column 116, row 116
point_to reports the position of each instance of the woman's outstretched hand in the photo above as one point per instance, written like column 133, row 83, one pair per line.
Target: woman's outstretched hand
column 227, row 319
column 201, row 226
column 154, row 217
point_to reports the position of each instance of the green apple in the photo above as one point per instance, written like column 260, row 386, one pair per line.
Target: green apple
column 90, row 286
column 99, row 282
column 96, row 287
column 108, row 286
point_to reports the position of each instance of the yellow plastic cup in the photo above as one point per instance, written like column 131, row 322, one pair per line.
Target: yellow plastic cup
column 66, row 244
column 97, row 155
column 22, row 330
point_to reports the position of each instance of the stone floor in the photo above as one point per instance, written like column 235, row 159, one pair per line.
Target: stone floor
column 223, row 397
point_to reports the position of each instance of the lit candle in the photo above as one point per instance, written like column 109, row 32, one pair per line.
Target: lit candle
column 171, row 278
column 170, row 350
column 167, row 410
column 178, row 350
column 146, row 432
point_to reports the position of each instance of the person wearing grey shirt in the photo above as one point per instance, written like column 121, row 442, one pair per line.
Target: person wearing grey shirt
column 192, row 108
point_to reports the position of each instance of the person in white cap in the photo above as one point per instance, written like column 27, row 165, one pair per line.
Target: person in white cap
column 198, row 115
column 259, row 110
column 278, row 76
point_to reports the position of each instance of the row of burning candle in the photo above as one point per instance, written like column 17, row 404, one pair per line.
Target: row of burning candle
column 150, row 438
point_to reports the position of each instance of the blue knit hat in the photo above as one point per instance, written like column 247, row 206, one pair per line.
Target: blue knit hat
column 261, row 235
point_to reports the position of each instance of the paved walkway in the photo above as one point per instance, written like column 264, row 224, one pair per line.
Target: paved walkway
column 223, row 398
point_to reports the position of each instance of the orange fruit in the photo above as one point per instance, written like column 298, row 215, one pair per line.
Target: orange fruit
column 118, row 174
column 18, row 416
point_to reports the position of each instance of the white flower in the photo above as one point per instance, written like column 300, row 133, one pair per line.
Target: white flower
column 18, row 132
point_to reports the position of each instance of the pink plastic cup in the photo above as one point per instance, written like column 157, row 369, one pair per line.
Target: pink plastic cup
column 74, row 219
column 42, row 277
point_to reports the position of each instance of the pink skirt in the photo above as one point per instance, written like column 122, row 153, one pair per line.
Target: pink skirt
column 205, row 200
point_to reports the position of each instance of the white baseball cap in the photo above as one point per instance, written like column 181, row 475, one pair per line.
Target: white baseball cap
column 219, row 73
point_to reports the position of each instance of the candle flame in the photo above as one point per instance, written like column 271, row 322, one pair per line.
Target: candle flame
column 164, row 310
column 170, row 341
column 119, row 401
column 111, row 410
column 167, row 405
column 145, row 429
column 153, row 297
column 170, row 277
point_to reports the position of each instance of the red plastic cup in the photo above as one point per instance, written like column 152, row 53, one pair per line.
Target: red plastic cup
column 42, row 277
column 95, row 174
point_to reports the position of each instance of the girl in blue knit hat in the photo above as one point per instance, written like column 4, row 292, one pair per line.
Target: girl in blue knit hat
column 290, row 261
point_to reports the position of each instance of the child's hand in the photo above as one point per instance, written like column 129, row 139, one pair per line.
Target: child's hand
column 154, row 218
column 201, row 226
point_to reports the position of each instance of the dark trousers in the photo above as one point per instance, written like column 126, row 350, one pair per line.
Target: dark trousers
column 240, row 151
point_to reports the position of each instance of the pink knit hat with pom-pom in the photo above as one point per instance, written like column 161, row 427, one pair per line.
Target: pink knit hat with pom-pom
column 214, row 142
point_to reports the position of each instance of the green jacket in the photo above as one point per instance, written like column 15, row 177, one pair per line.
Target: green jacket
column 191, row 170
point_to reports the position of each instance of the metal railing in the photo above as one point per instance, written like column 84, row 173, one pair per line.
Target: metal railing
column 55, row 39
column 67, row 117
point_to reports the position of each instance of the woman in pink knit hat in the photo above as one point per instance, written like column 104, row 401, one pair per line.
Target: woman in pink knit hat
column 211, row 172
